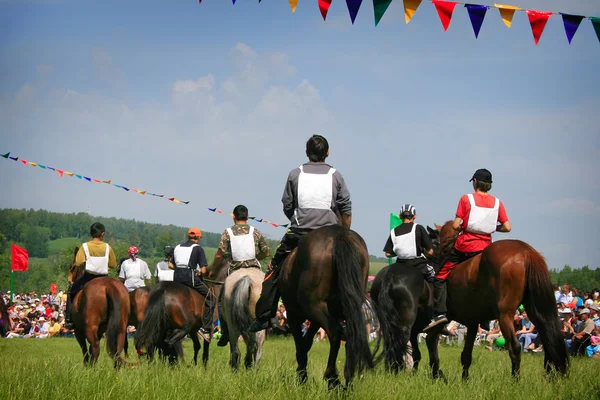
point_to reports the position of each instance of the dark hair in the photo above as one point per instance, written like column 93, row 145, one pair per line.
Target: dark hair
column 240, row 213
column 406, row 215
column 97, row 230
column 484, row 186
column 317, row 148
column 53, row 319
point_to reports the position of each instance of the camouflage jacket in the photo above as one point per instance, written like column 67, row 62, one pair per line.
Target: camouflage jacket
column 260, row 246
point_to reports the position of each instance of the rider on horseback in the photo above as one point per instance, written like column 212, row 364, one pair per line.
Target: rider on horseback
column 313, row 196
column 190, row 266
column 134, row 271
column 98, row 258
column 241, row 246
column 478, row 216
column 410, row 242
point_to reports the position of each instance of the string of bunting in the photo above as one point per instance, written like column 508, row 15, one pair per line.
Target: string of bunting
column 477, row 12
column 63, row 172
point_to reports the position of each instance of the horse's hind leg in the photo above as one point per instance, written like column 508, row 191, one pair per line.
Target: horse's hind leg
column 434, row 357
column 205, row 353
column 295, row 325
column 80, row 336
column 196, row 342
column 415, row 352
column 94, row 338
column 514, row 347
column 260, row 340
column 466, row 356
column 234, row 352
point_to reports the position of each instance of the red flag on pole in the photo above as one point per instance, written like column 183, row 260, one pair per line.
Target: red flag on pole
column 20, row 258
column 53, row 288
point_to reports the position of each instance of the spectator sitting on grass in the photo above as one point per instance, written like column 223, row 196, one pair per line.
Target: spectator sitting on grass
column 42, row 333
column 581, row 339
column 54, row 328
column 526, row 334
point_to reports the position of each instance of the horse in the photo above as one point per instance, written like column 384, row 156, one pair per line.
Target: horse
column 403, row 302
column 324, row 280
column 174, row 310
column 5, row 326
column 102, row 306
column 492, row 285
column 138, row 299
column 240, row 293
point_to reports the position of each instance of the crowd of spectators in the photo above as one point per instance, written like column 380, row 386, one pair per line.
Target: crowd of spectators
column 35, row 316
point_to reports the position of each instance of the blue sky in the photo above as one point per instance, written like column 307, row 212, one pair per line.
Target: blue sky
column 213, row 103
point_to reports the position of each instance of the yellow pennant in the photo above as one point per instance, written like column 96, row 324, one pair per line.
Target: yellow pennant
column 33, row 164
column 69, row 173
column 293, row 4
column 176, row 201
column 142, row 192
column 107, row 182
column 410, row 7
column 507, row 13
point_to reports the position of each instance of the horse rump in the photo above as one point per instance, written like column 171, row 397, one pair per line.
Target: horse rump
column 153, row 328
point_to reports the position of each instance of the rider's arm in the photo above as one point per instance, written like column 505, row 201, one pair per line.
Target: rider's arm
column 112, row 260
column 505, row 227
column 346, row 220
column 289, row 205
column 502, row 219
column 456, row 224
column 342, row 201
column 263, row 248
column 80, row 257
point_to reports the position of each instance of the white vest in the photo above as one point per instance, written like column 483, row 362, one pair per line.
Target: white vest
column 482, row 220
column 164, row 274
column 134, row 275
column 182, row 255
column 96, row 265
column 242, row 246
column 405, row 246
column 315, row 190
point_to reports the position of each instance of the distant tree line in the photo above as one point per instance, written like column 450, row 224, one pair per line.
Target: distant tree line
column 585, row 279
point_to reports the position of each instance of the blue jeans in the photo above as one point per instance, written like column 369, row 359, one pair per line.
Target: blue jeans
column 525, row 339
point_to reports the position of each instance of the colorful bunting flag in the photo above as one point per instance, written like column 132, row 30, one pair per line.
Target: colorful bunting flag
column 174, row 200
column 41, row 166
column 293, row 4
column 476, row 15
column 97, row 180
column 538, row 20
column 79, row 176
column 571, row 23
column 60, row 172
column 24, row 162
column 124, row 188
column 5, row 155
column 324, row 7
column 507, row 13
column 32, row 164
column 445, row 10
column 258, row 219
column 353, row 7
column 88, row 179
column 107, row 182
column 14, row 158
column 595, row 24
column 380, row 7
column 185, row 202
column 410, row 7
column 69, row 173
column 51, row 169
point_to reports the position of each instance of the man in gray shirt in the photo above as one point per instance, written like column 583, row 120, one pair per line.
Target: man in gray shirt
column 315, row 196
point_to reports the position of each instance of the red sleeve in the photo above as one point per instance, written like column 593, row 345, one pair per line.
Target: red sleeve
column 502, row 218
column 462, row 211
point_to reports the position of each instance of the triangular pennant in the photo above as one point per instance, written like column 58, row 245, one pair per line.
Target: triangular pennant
column 274, row 224
column 293, row 4
column 571, row 23
column 107, row 182
column 251, row 217
column 88, row 179
column 159, row 195
column 142, row 192
column 595, row 24
column 176, row 201
column 219, row 212
column 324, row 7
column 507, row 13
column 69, row 173
column 258, row 219
column 353, row 7
column 185, row 202
column 60, row 172
column 233, row 2
column 410, row 7
column 445, row 10
column 5, row 155
column 212, row 209
column 41, row 166
column 125, row 188
column 79, row 176
column 51, row 169
column 476, row 15
column 171, row 198
column 119, row 186
column 32, row 164
column 24, row 162
column 537, row 20
column 14, row 158
column 380, row 7
column 285, row 225
column 96, row 180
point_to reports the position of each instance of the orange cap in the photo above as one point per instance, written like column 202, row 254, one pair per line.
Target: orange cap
column 194, row 232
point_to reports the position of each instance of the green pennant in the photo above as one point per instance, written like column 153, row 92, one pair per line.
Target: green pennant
column 42, row 166
column 79, row 176
column 596, row 24
column 5, row 155
column 380, row 7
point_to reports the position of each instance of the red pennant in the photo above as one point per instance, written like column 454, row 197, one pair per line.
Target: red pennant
column 60, row 172
column 20, row 258
column 538, row 20
column 445, row 10
column 324, row 7
column 24, row 162
column 96, row 180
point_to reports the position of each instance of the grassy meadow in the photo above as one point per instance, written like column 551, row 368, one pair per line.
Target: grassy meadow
column 53, row 368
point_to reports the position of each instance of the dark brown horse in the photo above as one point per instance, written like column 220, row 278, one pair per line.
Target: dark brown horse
column 324, row 280
column 138, row 299
column 102, row 306
column 491, row 286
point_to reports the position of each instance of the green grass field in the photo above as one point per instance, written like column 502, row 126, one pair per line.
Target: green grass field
column 53, row 368
column 59, row 245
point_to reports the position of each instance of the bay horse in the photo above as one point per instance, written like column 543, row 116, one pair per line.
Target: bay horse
column 240, row 293
column 492, row 285
column 324, row 280
column 102, row 306
column 138, row 300
column 403, row 302
column 174, row 310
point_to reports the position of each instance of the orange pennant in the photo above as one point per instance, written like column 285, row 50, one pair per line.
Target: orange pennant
column 107, row 182
column 293, row 4
column 69, row 173
column 32, row 164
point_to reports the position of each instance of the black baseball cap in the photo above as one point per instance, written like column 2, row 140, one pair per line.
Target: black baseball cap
column 482, row 175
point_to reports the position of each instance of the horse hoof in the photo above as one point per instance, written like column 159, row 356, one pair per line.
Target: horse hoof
column 334, row 383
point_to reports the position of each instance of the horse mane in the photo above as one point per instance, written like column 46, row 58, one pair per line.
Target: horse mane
column 448, row 236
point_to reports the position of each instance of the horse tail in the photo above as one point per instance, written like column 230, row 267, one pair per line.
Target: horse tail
column 239, row 307
column 395, row 331
column 117, row 318
column 346, row 262
column 540, row 304
column 154, row 324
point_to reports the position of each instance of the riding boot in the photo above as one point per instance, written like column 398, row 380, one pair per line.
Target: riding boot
column 439, row 306
column 68, row 310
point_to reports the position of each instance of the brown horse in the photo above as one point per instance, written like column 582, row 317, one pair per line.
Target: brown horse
column 324, row 280
column 102, row 306
column 492, row 285
column 138, row 299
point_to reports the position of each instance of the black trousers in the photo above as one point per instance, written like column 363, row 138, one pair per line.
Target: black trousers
column 422, row 264
column 76, row 288
column 188, row 278
column 266, row 306
column 222, row 323
column 439, row 285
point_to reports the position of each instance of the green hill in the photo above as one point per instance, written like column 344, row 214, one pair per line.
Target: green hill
column 60, row 245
